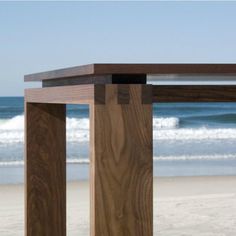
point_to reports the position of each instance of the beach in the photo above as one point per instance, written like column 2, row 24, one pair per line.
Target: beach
column 183, row 206
column 194, row 164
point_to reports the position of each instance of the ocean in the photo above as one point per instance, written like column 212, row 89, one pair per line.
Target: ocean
column 190, row 139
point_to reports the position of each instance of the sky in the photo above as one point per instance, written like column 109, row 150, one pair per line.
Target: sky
column 41, row 36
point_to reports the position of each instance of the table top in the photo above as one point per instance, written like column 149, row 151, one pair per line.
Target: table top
column 133, row 69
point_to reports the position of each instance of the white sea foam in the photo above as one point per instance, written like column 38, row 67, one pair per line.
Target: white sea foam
column 194, row 134
column 156, row 158
column 21, row 163
column 196, row 157
column 165, row 123
column 12, row 130
column 11, row 163
column 16, row 123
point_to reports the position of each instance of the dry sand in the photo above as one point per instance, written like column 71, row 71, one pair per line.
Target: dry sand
column 183, row 206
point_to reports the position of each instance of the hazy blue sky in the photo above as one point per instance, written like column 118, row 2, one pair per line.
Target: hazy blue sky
column 38, row 36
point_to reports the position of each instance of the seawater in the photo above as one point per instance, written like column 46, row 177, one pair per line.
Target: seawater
column 189, row 139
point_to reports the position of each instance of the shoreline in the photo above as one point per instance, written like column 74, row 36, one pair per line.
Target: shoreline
column 204, row 205
column 161, row 168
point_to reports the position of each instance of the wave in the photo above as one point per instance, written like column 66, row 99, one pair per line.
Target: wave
column 21, row 163
column 17, row 123
column 165, row 123
column 168, row 128
column 86, row 161
column 194, row 134
column 196, row 157
column 12, row 130
column 217, row 118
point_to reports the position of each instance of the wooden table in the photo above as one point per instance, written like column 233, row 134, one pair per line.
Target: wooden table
column 121, row 145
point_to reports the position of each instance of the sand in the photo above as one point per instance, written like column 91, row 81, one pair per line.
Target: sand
column 183, row 206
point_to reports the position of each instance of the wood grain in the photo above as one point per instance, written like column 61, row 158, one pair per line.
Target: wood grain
column 121, row 165
column 194, row 93
column 45, row 160
column 77, row 94
column 97, row 79
column 93, row 79
column 123, row 94
column 109, row 69
column 87, row 94
column 61, row 73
